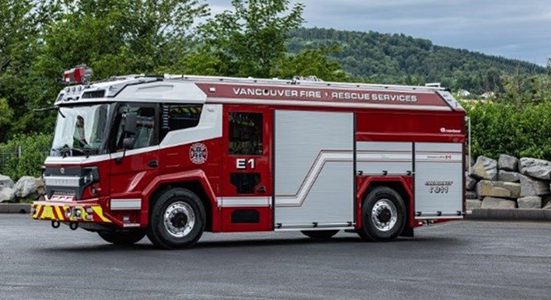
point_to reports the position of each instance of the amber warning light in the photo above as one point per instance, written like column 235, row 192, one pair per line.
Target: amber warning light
column 77, row 75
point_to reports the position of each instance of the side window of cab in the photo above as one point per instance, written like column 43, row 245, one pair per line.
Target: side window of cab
column 142, row 133
column 179, row 117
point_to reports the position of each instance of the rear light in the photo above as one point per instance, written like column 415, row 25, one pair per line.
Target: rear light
column 77, row 75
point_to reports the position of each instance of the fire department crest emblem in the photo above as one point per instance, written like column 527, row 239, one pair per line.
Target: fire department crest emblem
column 198, row 153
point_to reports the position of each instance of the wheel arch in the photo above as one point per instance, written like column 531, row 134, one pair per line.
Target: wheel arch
column 403, row 185
column 195, row 181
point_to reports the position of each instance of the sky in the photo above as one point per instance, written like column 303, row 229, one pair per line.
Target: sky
column 519, row 29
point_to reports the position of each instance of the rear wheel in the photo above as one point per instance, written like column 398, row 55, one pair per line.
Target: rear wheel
column 124, row 238
column 320, row 234
column 383, row 215
column 177, row 219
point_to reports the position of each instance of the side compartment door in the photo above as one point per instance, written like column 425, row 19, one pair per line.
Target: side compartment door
column 246, row 201
column 314, row 169
column 438, row 180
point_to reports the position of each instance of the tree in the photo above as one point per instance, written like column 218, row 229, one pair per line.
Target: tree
column 20, row 29
column 6, row 115
column 391, row 58
column 311, row 62
column 492, row 80
column 113, row 37
column 250, row 40
column 120, row 37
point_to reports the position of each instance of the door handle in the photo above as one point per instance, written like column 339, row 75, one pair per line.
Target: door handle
column 153, row 164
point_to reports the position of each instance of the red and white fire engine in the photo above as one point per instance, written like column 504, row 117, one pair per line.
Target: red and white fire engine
column 174, row 156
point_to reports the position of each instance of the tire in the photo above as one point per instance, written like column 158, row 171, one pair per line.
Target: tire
column 123, row 238
column 177, row 219
column 383, row 215
column 320, row 234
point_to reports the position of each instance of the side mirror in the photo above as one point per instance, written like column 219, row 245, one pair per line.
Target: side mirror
column 130, row 123
column 130, row 128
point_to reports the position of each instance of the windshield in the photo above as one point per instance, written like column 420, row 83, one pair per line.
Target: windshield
column 81, row 130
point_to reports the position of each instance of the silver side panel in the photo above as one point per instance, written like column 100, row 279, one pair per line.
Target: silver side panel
column 376, row 158
column 438, row 180
column 314, row 171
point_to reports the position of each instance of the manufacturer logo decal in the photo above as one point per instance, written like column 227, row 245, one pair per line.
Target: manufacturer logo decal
column 198, row 153
column 447, row 130
column 443, row 156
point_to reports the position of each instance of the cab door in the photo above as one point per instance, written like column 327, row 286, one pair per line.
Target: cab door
column 246, row 189
column 133, row 168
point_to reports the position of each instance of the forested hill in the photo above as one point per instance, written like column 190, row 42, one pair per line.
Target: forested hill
column 397, row 58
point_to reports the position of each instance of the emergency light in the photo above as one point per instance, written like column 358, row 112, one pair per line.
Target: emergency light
column 80, row 74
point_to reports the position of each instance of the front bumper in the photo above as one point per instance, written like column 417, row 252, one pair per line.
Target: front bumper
column 68, row 212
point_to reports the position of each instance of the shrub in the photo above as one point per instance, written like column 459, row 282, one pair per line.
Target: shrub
column 504, row 128
column 24, row 155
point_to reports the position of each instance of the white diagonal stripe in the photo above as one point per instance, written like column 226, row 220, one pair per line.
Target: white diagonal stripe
column 315, row 170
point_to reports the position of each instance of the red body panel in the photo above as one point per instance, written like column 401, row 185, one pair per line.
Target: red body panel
column 410, row 126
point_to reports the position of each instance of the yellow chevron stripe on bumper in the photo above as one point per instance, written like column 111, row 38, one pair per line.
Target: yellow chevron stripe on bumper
column 68, row 212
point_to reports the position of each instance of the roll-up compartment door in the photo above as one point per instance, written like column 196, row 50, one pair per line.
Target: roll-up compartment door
column 314, row 170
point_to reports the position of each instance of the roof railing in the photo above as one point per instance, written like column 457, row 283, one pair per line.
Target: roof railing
column 308, row 82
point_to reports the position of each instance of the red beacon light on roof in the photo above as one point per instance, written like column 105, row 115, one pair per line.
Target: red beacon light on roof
column 78, row 75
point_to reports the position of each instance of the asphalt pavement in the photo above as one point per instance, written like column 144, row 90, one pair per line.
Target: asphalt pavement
column 456, row 260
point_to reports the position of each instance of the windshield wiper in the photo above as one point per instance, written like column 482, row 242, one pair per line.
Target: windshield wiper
column 65, row 151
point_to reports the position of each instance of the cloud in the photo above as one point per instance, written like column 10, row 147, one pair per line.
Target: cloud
column 510, row 28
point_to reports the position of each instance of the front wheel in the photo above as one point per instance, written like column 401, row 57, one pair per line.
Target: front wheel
column 123, row 238
column 383, row 215
column 177, row 219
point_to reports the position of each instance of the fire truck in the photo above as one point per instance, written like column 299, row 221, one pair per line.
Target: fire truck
column 173, row 156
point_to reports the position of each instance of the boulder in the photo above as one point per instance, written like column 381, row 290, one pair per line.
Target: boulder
column 40, row 186
column 470, row 182
column 485, row 168
column 507, row 162
column 529, row 202
column 472, row 204
column 548, row 206
column 533, row 187
column 502, row 189
column 537, row 168
column 545, row 200
column 5, row 181
column 7, row 194
column 471, row 195
column 27, row 186
column 491, row 202
column 509, row 176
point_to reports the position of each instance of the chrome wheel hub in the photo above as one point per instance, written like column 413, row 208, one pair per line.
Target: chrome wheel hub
column 179, row 219
column 384, row 215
